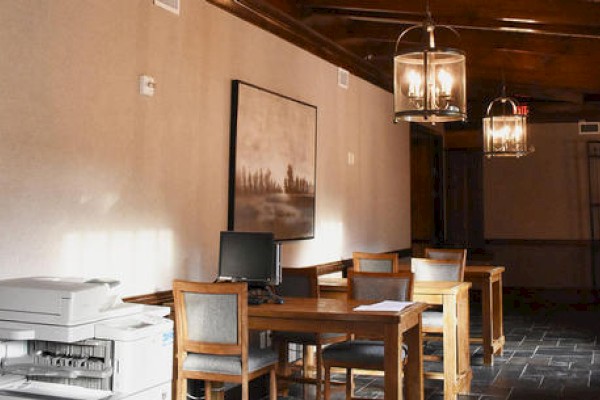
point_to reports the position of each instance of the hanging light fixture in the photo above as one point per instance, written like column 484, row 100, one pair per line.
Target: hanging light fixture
column 505, row 129
column 430, row 81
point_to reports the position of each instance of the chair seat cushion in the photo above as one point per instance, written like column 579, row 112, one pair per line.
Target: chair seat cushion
column 230, row 365
column 304, row 337
column 362, row 353
column 433, row 319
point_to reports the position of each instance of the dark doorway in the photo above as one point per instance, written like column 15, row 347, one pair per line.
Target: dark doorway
column 464, row 199
column 427, row 183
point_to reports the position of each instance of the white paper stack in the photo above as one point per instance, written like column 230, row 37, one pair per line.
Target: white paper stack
column 386, row 305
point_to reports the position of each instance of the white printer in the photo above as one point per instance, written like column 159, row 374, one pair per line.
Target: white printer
column 75, row 339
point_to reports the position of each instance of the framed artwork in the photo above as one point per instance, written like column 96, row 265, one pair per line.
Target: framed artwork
column 272, row 167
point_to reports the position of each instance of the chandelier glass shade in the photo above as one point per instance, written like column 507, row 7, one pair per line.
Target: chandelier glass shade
column 505, row 129
column 429, row 82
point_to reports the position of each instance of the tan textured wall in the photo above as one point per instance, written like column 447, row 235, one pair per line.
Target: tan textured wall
column 96, row 180
column 543, row 195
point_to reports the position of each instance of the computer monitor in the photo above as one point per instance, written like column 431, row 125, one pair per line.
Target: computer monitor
column 249, row 257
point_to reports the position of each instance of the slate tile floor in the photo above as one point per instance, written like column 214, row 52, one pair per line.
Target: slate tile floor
column 549, row 354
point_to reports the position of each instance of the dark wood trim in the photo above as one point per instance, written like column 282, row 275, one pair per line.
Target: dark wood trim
column 166, row 296
column 269, row 18
column 538, row 242
column 535, row 298
column 402, row 252
column 528, row 242
column 154, row 299
column 331, row 267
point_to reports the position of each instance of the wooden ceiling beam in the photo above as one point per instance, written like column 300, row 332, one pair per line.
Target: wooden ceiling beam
column 468, row 39
column 488, row 89
column 559, row 12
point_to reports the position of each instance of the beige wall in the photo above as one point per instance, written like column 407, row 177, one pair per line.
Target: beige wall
column 96, row 180
column 543, row 198
column 543, row 195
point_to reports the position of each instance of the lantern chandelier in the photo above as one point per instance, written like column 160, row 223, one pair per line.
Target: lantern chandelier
column 505, row 129
column 429, row 81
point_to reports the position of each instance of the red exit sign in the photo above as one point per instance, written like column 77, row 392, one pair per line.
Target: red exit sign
column 523, row 109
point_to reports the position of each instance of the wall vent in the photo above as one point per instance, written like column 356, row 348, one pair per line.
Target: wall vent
column 589, row 128
column 343, row 78
column 170, row 5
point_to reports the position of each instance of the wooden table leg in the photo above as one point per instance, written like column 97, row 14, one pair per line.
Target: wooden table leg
column 486, row 315
column 414, row 367
column 450, row 347
column 393, row 362
column 498, row 327
column 464, row 354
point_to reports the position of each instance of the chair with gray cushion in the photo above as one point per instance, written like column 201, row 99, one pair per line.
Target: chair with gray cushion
column 375, row 262
column 426, row 269
column 441, row 255
column 447, row 254
column 302, row 282
column 364, row 353
column 212, row 338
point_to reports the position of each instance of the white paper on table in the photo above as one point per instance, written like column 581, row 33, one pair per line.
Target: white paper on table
column 386, row 305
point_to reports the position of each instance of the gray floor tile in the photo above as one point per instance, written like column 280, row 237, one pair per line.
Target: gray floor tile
column 548, row 355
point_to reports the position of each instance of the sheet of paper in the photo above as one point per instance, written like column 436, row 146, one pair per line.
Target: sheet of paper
column 386, row 305
column 45, row 390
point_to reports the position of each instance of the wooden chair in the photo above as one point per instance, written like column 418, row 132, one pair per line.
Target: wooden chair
column 366, row 354
column 303, row 282
column 447, row 254
column 426, row 269
column 212, row 338
column 375, row 262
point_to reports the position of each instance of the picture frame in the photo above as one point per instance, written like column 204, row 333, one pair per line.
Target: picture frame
column 272, row 168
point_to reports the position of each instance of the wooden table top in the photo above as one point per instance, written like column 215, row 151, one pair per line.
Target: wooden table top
column 330, row 310
column 419, row 287
column 472, row 270
column 483, row 270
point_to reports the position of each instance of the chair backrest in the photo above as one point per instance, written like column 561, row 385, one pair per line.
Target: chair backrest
column 375, row 262
column 211, row 318
column 380, row 285
column 446, row 254
column 427, row 269
column 299, row 282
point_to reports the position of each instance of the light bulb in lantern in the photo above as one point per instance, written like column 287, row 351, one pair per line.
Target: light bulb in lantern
column 499, row 136
column 518, row 133
column 415, row 84
column 446, row 81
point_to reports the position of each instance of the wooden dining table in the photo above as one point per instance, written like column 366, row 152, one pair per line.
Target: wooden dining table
column 488, row 278
column 335, row 315
column 454, row 297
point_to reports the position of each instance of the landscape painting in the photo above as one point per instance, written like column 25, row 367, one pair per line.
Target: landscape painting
column 272, row 163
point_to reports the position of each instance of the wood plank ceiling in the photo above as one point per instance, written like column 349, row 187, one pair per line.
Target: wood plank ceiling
column 548, row 51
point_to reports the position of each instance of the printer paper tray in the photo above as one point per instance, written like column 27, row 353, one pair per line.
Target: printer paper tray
column 56, row 372
column 50, row 391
